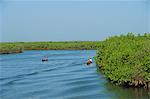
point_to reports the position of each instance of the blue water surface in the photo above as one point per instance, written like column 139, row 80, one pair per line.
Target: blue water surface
column 64, row 76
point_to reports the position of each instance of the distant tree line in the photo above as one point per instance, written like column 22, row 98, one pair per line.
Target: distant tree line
column 7, row 48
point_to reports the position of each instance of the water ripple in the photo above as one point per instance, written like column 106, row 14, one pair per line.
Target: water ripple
column 64, row 76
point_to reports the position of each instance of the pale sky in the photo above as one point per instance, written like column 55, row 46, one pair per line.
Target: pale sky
column 64, row 20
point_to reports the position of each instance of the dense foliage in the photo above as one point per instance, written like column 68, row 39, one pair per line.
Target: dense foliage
column 8, row 48
column 70, row 45
column 125, row 59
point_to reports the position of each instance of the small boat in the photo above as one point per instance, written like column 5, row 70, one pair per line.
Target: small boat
column 89, row 62
column 45, row 59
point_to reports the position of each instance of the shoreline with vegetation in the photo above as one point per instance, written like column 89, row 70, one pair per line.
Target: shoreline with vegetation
column 125, row 60
column 19, row 47
column 10, row 48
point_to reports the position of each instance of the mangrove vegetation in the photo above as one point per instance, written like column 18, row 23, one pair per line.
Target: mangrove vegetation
column 125, row 60
column 7, row 48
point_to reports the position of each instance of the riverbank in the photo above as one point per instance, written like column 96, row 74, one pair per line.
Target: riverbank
column 125, row 60
column 11, row 52
column 17, row 47
column 10, row 48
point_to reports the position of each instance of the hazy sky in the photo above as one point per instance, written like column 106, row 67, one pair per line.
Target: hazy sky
column 62, row 20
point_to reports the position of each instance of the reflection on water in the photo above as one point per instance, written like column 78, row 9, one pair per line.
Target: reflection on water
column 128, row 93
column 122, row 92
column 64, row 76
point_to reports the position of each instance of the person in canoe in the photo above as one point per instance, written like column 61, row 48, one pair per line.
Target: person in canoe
column 89, row 61
column 45, row 59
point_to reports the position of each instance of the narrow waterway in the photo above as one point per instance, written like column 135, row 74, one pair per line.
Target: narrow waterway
column 64, row 76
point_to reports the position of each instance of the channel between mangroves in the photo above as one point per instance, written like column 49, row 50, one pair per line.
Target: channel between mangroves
column 124, row 59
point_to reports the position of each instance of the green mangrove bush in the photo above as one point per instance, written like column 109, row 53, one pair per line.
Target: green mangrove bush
column 125, row 59
column 7, row 48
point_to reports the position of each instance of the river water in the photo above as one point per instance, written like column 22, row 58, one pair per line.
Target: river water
column 64, row 76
